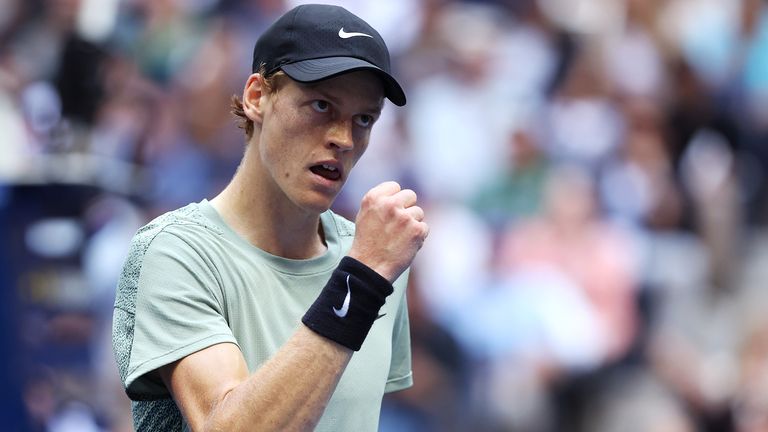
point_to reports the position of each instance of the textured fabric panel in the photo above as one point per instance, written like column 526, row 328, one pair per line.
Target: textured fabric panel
column 158, row 415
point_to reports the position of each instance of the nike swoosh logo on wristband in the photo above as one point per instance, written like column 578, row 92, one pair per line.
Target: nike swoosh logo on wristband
column 341, row 313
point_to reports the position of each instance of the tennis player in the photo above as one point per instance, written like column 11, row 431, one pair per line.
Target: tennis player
column 261, row 309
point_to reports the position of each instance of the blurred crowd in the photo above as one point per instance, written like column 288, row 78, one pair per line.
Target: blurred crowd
column 594, row 172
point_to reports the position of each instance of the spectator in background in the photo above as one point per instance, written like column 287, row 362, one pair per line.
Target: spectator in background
column 695, row 338
column 570, row 236
column 456, row 120
column 516, row 193
column 580, row 122
column 571, row 249
column 193, row 146
column 691, row 110
column 561, row 306
column 636, row 401
column 637, row 185
column 632, row 55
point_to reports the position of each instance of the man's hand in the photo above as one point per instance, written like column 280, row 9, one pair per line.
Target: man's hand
column 390, row 229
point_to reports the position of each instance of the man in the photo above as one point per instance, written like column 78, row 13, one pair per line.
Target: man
column 261, row 309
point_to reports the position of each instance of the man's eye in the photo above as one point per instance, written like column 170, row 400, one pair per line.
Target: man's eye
column 320, row 106
column 364, row 120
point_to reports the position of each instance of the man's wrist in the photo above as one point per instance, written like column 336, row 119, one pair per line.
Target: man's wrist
column 349, row 304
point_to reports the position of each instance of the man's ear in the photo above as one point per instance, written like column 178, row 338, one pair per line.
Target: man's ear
column 254, row 97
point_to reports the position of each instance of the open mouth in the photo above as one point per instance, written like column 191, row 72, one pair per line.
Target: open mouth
column 326, row 171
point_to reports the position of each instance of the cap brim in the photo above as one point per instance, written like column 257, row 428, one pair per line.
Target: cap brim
column 323, row 68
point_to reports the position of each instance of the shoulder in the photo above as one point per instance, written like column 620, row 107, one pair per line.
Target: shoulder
column 174, row 230
column 187, row 217
column 181, row 223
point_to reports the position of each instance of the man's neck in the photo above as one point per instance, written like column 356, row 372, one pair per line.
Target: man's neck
column 269, row 223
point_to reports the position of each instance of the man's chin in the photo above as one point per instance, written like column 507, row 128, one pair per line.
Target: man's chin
column 318, row 204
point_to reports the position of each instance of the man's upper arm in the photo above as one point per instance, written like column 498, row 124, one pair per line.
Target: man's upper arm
column 201, row 380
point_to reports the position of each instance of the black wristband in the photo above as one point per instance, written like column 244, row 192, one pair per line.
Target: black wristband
column 349, row 304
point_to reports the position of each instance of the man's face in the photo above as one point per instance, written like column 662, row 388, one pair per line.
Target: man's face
column 313, row 134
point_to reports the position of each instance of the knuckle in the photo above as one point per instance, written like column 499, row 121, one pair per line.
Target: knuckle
column 400, row 219
column 390, row 204
column 413, row 226
column 368, row 199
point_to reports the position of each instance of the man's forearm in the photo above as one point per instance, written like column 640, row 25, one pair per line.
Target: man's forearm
column 288, row 392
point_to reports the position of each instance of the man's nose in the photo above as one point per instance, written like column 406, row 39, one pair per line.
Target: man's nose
column 340, row 135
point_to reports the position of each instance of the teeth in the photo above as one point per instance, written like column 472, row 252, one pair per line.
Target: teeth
column 329, row 168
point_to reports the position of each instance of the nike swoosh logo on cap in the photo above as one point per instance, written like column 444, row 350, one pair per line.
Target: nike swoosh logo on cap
column 345, row 35
column 341, row 313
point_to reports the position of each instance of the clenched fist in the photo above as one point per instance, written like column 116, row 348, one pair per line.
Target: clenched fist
column 390, row 229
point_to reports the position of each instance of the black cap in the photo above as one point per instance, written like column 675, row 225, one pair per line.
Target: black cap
column 315, row 42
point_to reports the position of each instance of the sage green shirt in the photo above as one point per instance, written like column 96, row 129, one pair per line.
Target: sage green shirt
column 190, row 282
